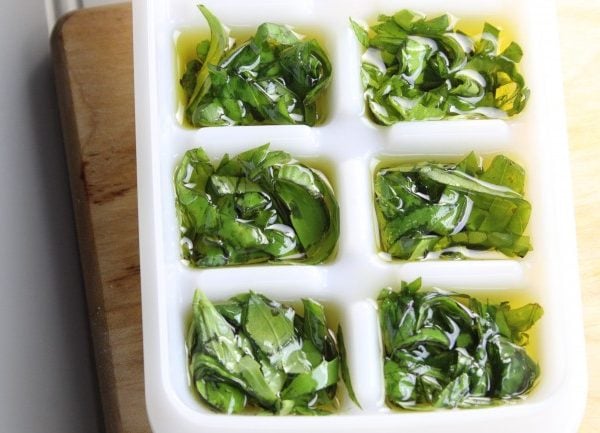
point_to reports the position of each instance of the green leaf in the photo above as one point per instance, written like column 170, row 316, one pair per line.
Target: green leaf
column 275, row 77
column 520, row 320
column 250, row 352
column 407, row 19
column 257, row 385
column 513, row 52
column 454, row 393
column 272, row 328
column 209, row 324
column 275, row 34
column 456, row 351
column 260, row 206
column 344, row 370
column 471, row 165
column 219, row 39
column 361, row 34
column 433, row 71
column 505, row 172
column 315, row 327
column 514, row 372
column 429, row 207
column 399, row 384
column 202, row 50
column 323, row 376
column 222, row 396
column 188, row 81
column 312, row 210
column 268, row 326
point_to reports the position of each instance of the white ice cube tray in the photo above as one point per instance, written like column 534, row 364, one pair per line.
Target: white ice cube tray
column 349, row 146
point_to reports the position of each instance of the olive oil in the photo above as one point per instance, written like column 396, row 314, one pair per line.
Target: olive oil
column 185, row 51
column 473, row 28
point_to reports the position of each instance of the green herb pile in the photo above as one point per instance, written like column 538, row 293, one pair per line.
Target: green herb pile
column 256, row 354
column 424, row 69
column 445, row 350
column 276, row 77
column 261, row 206
column 433, row 207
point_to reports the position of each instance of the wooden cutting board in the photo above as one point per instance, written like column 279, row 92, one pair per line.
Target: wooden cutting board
column 92, row 50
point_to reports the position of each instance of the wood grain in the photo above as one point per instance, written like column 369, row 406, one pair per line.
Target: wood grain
column 93, row 66
column 92, row 50
column 580, row 51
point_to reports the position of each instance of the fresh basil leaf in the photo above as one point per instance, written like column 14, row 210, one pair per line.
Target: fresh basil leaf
column 434, row 71
column 454, row 393
column 222, row 396
column 519, row 320
column 513, row 52
column 272, row 328
column 219, row 40
column 505, row 172
column 362, row 35
column 399, row 384
column 275, row 77
column 260, row 206
column 315, row 326
column 256, row 382
column 188, row 80
column 513, row 371
column 210, row 326
column 275, row 34
column 344, row 369
column 323, row 376
column 433, row 207
column 202, row 50
column 405, row 18
column 488, row 43
column 252, row 352
column 446, row 350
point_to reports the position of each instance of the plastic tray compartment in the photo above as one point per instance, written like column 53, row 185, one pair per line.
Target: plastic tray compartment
column 350, row 146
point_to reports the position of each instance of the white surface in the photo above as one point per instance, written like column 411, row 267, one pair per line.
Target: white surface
column 47, row 384
column 536, row 138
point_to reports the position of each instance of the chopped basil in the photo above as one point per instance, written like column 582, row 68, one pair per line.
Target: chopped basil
column 253, row 353
column 260, row 206
column 447, row 350
column 429, row 207
column 275, row 77
column 416, row 68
